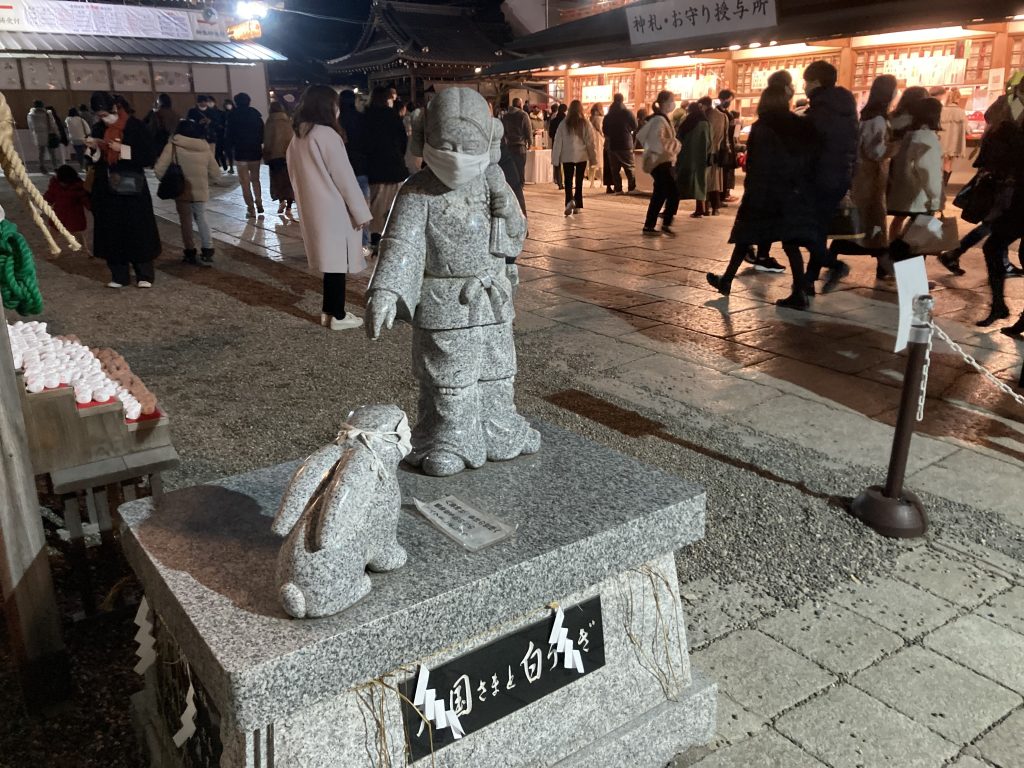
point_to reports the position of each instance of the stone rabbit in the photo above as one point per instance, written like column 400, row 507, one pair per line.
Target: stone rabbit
column 339, row 515
column 447, row 267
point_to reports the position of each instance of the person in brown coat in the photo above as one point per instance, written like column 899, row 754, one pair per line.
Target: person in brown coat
column 276, row 138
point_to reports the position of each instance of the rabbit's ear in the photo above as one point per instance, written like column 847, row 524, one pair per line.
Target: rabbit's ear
column 304, row 483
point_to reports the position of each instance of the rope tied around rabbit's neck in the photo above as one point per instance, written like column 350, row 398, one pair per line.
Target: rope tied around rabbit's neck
column 399, row 437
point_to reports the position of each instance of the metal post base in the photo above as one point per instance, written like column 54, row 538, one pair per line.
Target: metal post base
column 902, row 518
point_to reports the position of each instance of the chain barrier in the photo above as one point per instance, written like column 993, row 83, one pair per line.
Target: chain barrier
column 1000, row 385
column 922, row 396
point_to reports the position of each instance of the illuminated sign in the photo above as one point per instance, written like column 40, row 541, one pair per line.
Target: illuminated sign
column 246, row 30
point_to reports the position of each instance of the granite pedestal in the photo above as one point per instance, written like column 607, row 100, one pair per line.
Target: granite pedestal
column 273, row 691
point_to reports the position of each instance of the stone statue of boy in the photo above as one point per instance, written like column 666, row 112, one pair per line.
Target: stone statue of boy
column 446, row 267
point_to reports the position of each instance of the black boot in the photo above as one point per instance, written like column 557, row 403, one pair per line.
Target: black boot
column 999, row 311
column 206, row 257
column 951, row 261
column 721, row 283
column 190, row 256
column 1017, row 329
column 796, row 300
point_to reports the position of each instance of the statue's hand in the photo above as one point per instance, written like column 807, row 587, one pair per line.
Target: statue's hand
column 381, row 310
column 502, row 206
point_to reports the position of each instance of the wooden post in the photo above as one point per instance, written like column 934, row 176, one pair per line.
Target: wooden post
column 30, row 605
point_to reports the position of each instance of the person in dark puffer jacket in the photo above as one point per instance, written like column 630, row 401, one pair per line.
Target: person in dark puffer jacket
column 833, row 113
column 244, row 136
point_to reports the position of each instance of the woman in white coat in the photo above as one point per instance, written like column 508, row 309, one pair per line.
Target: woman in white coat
column 575, row 146
column 332, row 208
column 915, row 176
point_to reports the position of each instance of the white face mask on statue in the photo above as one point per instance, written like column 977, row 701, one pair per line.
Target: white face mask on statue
column 109, row 119
column 457, row 168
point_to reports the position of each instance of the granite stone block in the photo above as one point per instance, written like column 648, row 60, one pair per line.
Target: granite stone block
column 1004, row 746
column 897, row 606
column 938, row 694
column 835, row 637
column 846, row 728
column 989, row 649
column 764, row 749
column 605, row 525
column 762, row 675
column 952, row 580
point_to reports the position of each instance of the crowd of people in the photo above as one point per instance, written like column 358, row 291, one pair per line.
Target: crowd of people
column 871, row 183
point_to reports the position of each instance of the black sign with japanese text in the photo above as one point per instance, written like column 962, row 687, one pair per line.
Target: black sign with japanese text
column 504, row 676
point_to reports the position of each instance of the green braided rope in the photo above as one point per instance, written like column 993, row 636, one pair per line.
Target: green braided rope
column 18, row 284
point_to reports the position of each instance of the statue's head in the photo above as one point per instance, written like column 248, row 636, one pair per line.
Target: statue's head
column 383, row 425
column 457, row 120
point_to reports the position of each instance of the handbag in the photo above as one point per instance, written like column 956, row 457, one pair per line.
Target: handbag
column 172, row 184
column 950, row 234
column 53, row 141
column 929, row 235
column 126, row 183
column 846, row 222
column 977, row 198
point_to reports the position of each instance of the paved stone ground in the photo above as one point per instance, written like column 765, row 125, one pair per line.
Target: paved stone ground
column 830, row 645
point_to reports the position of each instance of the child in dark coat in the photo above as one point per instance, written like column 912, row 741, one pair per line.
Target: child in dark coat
column 69, row 199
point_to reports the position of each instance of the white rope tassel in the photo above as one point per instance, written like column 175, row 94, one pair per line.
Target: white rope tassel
column 17, row 177
column 400, row 437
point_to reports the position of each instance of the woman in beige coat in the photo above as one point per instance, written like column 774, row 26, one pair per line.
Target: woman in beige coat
column 332, row 208
column 719, row 125
column 188, row 148
column 276, row 138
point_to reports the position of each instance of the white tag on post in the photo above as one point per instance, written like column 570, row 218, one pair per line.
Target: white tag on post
column 911, row 281
column 474, row 529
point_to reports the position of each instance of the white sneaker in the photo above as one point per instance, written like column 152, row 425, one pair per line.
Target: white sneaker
column 570, row 208
column 348, row 321
column 112, row 284
column 145, row 284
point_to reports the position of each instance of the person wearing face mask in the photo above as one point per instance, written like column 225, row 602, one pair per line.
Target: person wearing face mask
column 125, row 232
column 692, row 171
column 661, row 147
column 200, row 115
column 384, row 144
column 225, row 153
column 334, row 211
column 833, row 113
column 447, row 268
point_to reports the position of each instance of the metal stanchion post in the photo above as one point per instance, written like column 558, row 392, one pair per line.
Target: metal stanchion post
column 892, row 510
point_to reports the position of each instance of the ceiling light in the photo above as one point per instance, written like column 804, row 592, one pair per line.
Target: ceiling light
column 576, row 65
column 562, row 67
column 735, row 47
column 774, row 42
column 754, row 45
column 478, row 70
